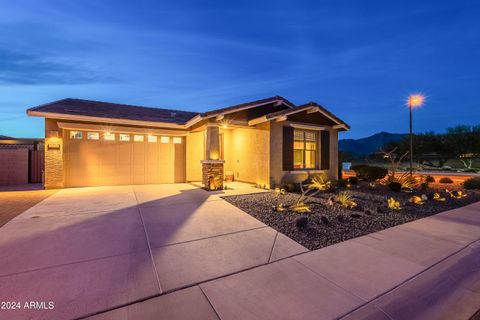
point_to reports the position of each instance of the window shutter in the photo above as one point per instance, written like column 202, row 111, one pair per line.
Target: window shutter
column 287, row 155
column 325, row 150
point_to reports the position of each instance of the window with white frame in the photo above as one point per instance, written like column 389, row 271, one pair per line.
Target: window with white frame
column 177, row 140
column 93, row 136
column 305, row 149
column 164, row 139
column 109, row 136
column 138, row 138
column 123, row 137
column 77, row 135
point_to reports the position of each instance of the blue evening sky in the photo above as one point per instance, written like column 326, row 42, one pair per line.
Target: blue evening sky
column 360, row 59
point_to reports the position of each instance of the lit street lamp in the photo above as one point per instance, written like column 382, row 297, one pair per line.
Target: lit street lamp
column 414, row 101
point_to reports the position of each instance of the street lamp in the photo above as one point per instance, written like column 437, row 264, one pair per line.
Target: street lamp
column 414, row 101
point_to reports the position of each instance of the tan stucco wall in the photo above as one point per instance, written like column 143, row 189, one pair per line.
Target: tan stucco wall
column 246, row 153
column 278, row 176
column 54, row 171
column 333, row 172
column 195, row 153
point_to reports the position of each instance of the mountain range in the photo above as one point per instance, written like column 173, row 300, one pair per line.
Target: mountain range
column 369, row 145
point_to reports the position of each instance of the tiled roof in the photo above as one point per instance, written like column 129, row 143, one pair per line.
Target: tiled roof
column 108, row 110
column 114, row 110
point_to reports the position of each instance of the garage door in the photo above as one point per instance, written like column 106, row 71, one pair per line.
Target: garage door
column 95, row 158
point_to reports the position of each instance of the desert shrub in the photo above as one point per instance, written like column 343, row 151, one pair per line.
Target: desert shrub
column 472, row 183
column 341, row 183
column 369, row 173
column 407, row 181
column 395, row 186
column 445, row 180
column 353, row 181
column 345, row 199
column 429, row 179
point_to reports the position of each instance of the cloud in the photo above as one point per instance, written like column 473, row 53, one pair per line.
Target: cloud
column 20, row 68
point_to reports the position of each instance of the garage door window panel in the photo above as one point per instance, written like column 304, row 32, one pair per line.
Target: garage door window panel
column 76, row 135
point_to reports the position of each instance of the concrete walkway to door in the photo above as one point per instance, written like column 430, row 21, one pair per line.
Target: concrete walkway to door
column 89, row 250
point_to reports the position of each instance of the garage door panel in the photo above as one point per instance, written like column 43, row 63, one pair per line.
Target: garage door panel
column 100, row 162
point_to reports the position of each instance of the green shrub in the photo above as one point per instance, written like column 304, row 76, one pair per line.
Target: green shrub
column 395, row 186
column 429, row 179
column 353, row 181
column 445, row 180
column 472, row 183
column 369, row 173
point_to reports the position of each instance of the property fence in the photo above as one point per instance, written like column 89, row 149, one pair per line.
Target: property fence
column 36, row 165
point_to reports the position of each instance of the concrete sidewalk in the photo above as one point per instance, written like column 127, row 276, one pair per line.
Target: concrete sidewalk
column 426, row 269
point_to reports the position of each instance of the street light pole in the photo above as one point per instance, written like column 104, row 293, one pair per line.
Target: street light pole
column 411, row 136
column 414, row 100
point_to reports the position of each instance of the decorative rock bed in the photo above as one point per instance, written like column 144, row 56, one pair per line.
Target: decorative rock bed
column 328, row 223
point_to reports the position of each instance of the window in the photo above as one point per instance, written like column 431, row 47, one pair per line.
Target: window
column 304, row 149
column 109, row 136
column 152, row 138
column 165, row 139
column 77, row 135
column 138, row 138
column 93, row 136
column 124, row 137
column 177, row 140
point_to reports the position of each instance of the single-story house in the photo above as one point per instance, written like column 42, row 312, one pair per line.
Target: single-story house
column 91, row 143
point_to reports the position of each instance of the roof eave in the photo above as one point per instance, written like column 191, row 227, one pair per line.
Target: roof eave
column 279, row 101
column 63, row 116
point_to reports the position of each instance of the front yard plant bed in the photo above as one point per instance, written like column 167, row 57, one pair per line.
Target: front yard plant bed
column 331, row 223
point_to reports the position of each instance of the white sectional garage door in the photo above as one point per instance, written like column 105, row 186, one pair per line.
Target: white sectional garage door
column 91, row 160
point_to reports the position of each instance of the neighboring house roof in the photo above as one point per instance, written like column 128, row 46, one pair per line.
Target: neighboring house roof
column 180, row 119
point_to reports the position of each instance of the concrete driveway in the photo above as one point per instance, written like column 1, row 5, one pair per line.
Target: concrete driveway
column 89, row 250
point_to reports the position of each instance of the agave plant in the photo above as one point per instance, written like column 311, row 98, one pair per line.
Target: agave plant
column 393, row 204
column 456, row 194
column 416, row 200
column 345, row 199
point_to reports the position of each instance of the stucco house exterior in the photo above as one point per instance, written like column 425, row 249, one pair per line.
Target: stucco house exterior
column 91, row 143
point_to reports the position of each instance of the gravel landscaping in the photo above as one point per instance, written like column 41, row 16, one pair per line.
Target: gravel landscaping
column 331, row 223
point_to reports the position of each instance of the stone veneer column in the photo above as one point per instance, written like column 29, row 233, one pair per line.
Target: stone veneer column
column 212, row 166
column 53, row 174
column 212, row 174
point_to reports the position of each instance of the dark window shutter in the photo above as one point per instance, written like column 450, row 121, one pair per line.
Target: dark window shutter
column 287, row 155
column 325, row 150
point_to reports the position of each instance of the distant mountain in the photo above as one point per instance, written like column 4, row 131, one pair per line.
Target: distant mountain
column 369, row 145
column 5, row 137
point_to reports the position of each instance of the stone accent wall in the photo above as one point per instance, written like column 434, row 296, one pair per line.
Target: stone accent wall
column 212, row 168
column 53, row 163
